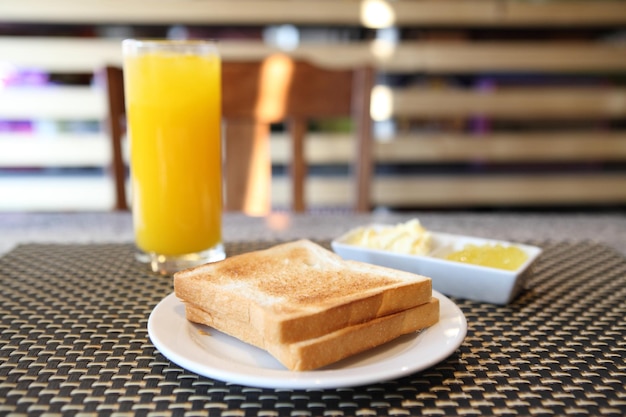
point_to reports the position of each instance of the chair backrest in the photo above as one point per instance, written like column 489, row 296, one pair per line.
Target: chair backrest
column 254, row 96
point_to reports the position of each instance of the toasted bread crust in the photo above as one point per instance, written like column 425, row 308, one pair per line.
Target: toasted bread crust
column 298, row 291
column 332, row 347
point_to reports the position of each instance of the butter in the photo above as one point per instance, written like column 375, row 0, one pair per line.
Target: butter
column 408, row 238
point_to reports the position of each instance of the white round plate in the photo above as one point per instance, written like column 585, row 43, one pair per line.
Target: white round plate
column 212, row 354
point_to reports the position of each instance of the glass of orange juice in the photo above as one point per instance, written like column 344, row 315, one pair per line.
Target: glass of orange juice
column 173, row 105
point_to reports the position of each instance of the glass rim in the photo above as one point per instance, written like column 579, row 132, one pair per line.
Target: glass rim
column 135, row 45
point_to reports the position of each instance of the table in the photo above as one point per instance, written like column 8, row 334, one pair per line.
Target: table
column 607, row 227
column 74, row 307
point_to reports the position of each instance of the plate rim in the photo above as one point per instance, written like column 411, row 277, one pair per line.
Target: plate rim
column 248, row 375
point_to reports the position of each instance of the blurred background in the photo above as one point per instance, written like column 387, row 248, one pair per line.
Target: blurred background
column 477, row 104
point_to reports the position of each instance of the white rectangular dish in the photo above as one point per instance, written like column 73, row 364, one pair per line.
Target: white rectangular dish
column 456, row 279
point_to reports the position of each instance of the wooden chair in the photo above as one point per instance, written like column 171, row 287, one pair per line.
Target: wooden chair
column 256, row 95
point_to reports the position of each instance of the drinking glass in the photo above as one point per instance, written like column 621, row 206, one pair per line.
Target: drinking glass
column 173, row 105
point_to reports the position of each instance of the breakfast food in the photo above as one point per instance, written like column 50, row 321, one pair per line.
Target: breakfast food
column 323, row 350
column 304, row 304
column 410, row 238
column 491, row 255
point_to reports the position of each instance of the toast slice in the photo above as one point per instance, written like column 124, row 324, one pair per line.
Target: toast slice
column 329, row 348
column 298, row 291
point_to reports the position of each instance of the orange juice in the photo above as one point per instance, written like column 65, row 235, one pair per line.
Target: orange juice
column 173, row 107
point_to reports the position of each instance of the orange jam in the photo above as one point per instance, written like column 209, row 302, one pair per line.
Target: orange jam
column 494, row 256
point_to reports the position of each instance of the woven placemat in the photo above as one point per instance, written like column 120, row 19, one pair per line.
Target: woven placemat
column 74, row 340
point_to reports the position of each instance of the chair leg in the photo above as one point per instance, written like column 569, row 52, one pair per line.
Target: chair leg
column 115, row 90
column 247, row 168
column 298, row 167
column 363, row 161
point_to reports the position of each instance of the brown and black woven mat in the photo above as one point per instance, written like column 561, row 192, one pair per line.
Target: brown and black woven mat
column 73, row 340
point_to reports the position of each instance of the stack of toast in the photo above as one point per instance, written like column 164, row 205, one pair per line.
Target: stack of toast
column 304, row 304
